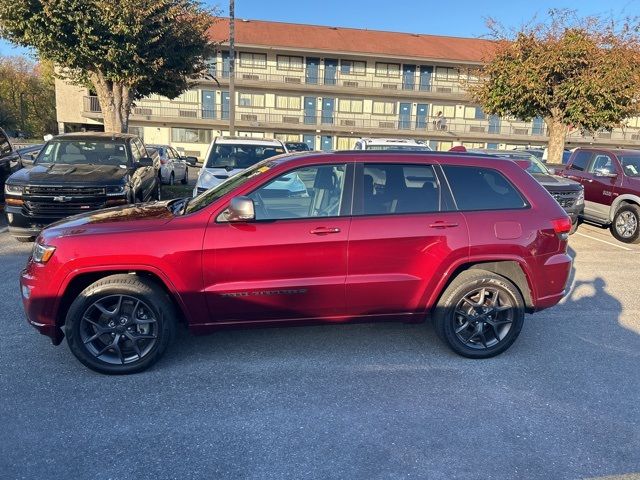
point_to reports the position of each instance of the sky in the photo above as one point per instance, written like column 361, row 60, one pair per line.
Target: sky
column 440, row 17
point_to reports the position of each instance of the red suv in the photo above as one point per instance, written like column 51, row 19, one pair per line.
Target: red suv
column 471, row 242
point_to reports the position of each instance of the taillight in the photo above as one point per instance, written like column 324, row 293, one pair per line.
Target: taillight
column 562, row 227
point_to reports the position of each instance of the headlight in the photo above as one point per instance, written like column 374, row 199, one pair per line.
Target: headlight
column 115, row 190
column 42, row 253
column 13, row 189
column 580, row 199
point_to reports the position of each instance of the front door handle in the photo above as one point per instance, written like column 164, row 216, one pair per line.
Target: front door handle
column 325, row 230
column 442, row 224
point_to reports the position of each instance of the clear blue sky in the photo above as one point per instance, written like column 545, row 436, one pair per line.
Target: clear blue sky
column 443, row 17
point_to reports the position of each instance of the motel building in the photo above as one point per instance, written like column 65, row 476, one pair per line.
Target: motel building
column 328, row 86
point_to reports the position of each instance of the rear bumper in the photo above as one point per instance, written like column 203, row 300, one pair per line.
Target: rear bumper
column 556, row 271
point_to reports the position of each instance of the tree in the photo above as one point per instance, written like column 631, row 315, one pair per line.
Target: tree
column 124, row 50
column 27, row 96
column 574, row 73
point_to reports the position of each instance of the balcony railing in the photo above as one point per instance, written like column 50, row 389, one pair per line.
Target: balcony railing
column 294, row 78
column 361, row 123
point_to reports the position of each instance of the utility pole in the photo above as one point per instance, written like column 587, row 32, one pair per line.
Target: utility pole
column 232, row 68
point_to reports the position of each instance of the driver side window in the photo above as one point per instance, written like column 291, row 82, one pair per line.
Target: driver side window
column 602, row 164
column 306, row 192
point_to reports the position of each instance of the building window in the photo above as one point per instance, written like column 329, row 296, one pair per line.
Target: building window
column 492, row 146
column 350, row 106
column 253, row 60
column 353, row 67
column 287, row 137
column 447, row 74
column 138, row 131
column 251, row 134
column 384, row 108
column 387, row 69
column 286, row 62
column 191, row 135
column 346, row 143
column 448, row 111
column 251, row 100
column 473, row 113
column 285, row 102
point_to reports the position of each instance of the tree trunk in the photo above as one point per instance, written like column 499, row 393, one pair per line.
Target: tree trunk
column 557, row 136
column 115, row 103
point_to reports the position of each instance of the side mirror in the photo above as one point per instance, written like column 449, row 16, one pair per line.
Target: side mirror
column 144, row 162
column 241, row 210
column 192, row 161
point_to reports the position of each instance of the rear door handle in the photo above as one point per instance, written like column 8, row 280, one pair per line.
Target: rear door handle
column 442, row 224
column 325, row 230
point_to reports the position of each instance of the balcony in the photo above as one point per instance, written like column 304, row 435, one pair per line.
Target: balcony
column 299, row 80
column 361, row 124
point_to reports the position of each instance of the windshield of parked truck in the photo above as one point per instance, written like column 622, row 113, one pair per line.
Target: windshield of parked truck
column 234, row 156
column 213, row 194
column 537, row 166
column 630, row 165
column 412, row 148
column 83, row 152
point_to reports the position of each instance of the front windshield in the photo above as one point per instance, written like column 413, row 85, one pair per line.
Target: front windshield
column 213, row 194
column 76, row 152
column 537, row 166
column 239, row 156
column 412, row 148
column 630, row 165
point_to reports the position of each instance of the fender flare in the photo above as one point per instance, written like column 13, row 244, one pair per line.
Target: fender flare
column 627, row 197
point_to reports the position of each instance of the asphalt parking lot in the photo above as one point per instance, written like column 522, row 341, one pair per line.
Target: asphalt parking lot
column 347, row 402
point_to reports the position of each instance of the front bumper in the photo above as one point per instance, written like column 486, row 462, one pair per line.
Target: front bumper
column 21, row 225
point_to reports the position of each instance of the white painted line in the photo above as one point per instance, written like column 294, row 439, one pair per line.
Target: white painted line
column 604, row 241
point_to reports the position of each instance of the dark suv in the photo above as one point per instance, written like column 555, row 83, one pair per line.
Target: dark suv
column 471, row 242
column 76, row 173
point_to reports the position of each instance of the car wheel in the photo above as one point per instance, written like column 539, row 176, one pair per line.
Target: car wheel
column 120, row 324
column 172, row 179
column 157, row 191
column 185, row 180
column 480, row 314
column 625, row 224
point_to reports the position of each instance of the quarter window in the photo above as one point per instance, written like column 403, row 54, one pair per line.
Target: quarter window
column 477, row 188
column 307, row 192
column 400, row 188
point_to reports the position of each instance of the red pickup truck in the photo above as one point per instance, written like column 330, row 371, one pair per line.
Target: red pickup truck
column 611, row 180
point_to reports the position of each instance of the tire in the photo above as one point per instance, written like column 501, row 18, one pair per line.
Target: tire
column 185, row 180
column 157, row 191
column 25, row 239
column 172, row 179
column 499, row 328
column 626, row 224
column 120, row 310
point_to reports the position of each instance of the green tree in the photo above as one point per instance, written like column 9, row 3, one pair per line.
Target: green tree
column 27, row 96
column 573, row 72
column 124, row 50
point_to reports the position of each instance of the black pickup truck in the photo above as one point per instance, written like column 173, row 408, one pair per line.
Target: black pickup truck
column 9, row 161
column 76, row 173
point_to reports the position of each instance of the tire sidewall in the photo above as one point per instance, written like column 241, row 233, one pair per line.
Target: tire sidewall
column 635, row 238
column 162, row 309
column 445, row 316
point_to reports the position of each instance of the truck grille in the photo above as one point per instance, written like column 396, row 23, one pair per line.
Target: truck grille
column 60, row 210
column 565, row 199
column 67, row 191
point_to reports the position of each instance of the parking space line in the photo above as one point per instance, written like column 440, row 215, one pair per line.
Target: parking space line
column 604, row 241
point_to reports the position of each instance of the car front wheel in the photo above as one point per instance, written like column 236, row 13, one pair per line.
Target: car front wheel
column 480, row 314
column 120, row 324
column 185, row 180
column 626, row 222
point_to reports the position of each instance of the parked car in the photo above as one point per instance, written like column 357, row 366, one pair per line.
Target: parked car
column 297, row 147
column 76, row 173
column 568, row 193
column 173, row 166
column 611, row 180
column 228, row 156
column 391, row 144
column 472, row 242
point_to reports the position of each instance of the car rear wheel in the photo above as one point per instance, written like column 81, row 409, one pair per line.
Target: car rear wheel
column 120, row 324
column 185, row 180
column 480, row 314
column 172, row 179
column 626, row 222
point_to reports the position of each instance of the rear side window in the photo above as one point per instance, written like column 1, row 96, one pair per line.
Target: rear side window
column 581, row 161
column 400, row 188
column 477, row 188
